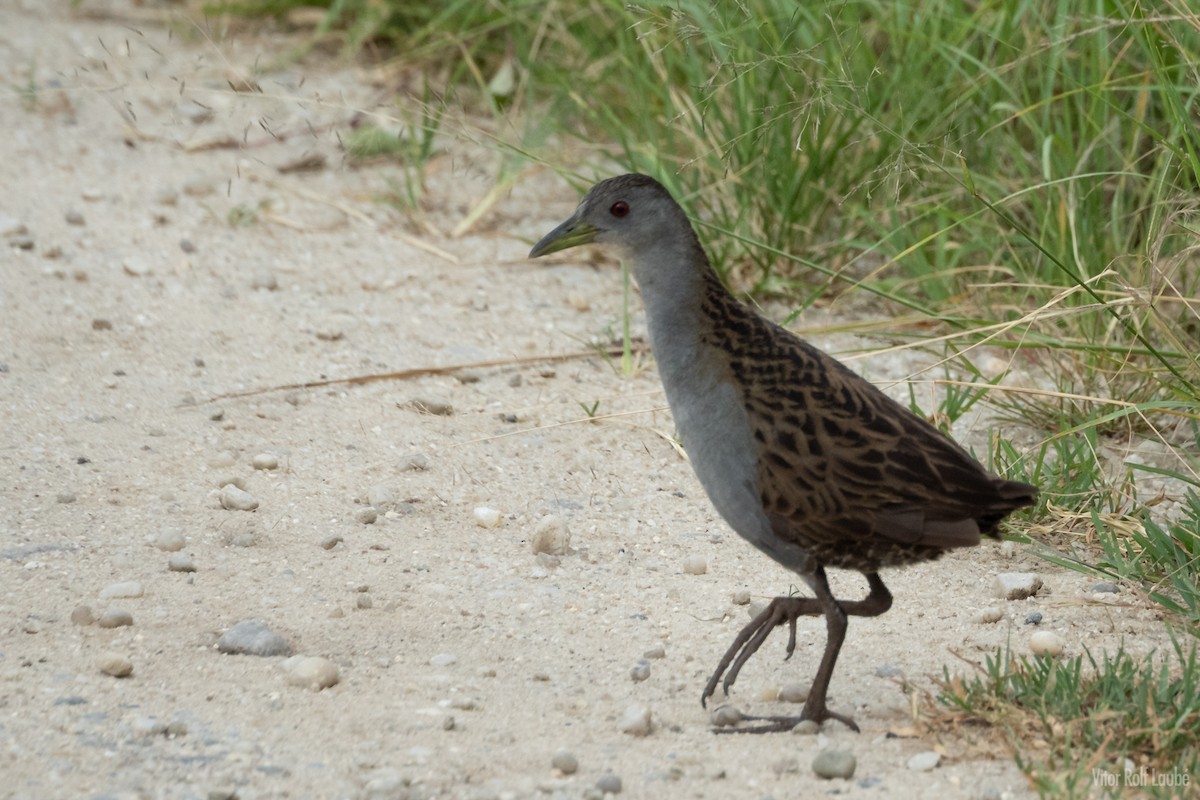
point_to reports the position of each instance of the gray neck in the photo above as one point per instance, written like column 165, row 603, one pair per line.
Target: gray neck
column 674, row 276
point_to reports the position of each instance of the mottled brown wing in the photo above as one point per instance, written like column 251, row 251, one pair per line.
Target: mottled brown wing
column 851, row 474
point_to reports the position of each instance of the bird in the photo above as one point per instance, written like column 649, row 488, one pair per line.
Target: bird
column 805, row 459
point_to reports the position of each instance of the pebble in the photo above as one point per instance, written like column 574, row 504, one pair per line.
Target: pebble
column 989, row 615
column 236, row 499
column 123, row 589
column 741, row 598
column 1033, row 618
column 73, row 217
column 115, row 665
column 170, row 540
column 312, row 672
column 725, row 716
column 82, row 615
column 331, row 541
column 429, row 405
column 487, row 517
column 551, row 536
column 1105, row 587
column 180, row 562
column 832, row 763
column 363, row 602
column 115, row 618
column 565, row 762
column 806, row 727
column 640, row 671
column 1046, row 643
column 888, row 670
column 609, row 783
column 695, row 565
column 924, row 762
column 1016, row 585
column 231, row 480
column 265, row 461
column 65, row 497
column 366, row 515
column 381, row 496
column 253, row 638
column 222, row 460
column 655, row 652
column 793, row 693
column 442, row 660
column 636, row 721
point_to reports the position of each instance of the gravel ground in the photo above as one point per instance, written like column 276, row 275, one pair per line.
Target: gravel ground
column 444, row 585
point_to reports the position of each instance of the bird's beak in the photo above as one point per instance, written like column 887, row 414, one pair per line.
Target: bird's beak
column 571, row 233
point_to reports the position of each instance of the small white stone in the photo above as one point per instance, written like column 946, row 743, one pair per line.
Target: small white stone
column 121, row 589
column 989, row 615
column 924, row 762
column 115, row 618
column 265, row 461
column 222, row 460
column 487, row 517
column 1016, row 585
column 741, row 598
column 1046, row 643
column 170, row 540
column 636, row 721
column 180, row 562
column 640, row 671
column 831, row 763
column 442, row 660
column 609, row 783
column 381, row 496
column 235, row 499
column 367, row 515
column 657, row 651
column 551, row 536
column 312, row 672
column 82, row 615
column 695, row 565
column 806, row 727
column 565, row 762
column 115, row 665
column 725, row 716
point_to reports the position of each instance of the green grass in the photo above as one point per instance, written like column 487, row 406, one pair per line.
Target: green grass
column 1076, row 724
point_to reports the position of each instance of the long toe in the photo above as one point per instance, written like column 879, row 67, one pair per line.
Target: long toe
column 821, row 713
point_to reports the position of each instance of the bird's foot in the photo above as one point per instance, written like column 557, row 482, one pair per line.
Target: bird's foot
column 780, row 610
column 782, row 724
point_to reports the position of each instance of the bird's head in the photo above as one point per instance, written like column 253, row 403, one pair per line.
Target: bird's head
column 629, row 214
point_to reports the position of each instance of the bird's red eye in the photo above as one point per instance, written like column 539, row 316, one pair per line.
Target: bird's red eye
column 619, row 208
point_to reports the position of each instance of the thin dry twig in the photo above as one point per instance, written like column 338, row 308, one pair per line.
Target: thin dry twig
column 417, row 372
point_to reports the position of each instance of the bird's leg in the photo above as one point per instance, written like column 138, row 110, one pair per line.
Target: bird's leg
column 777, row 612
column 788, row 609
